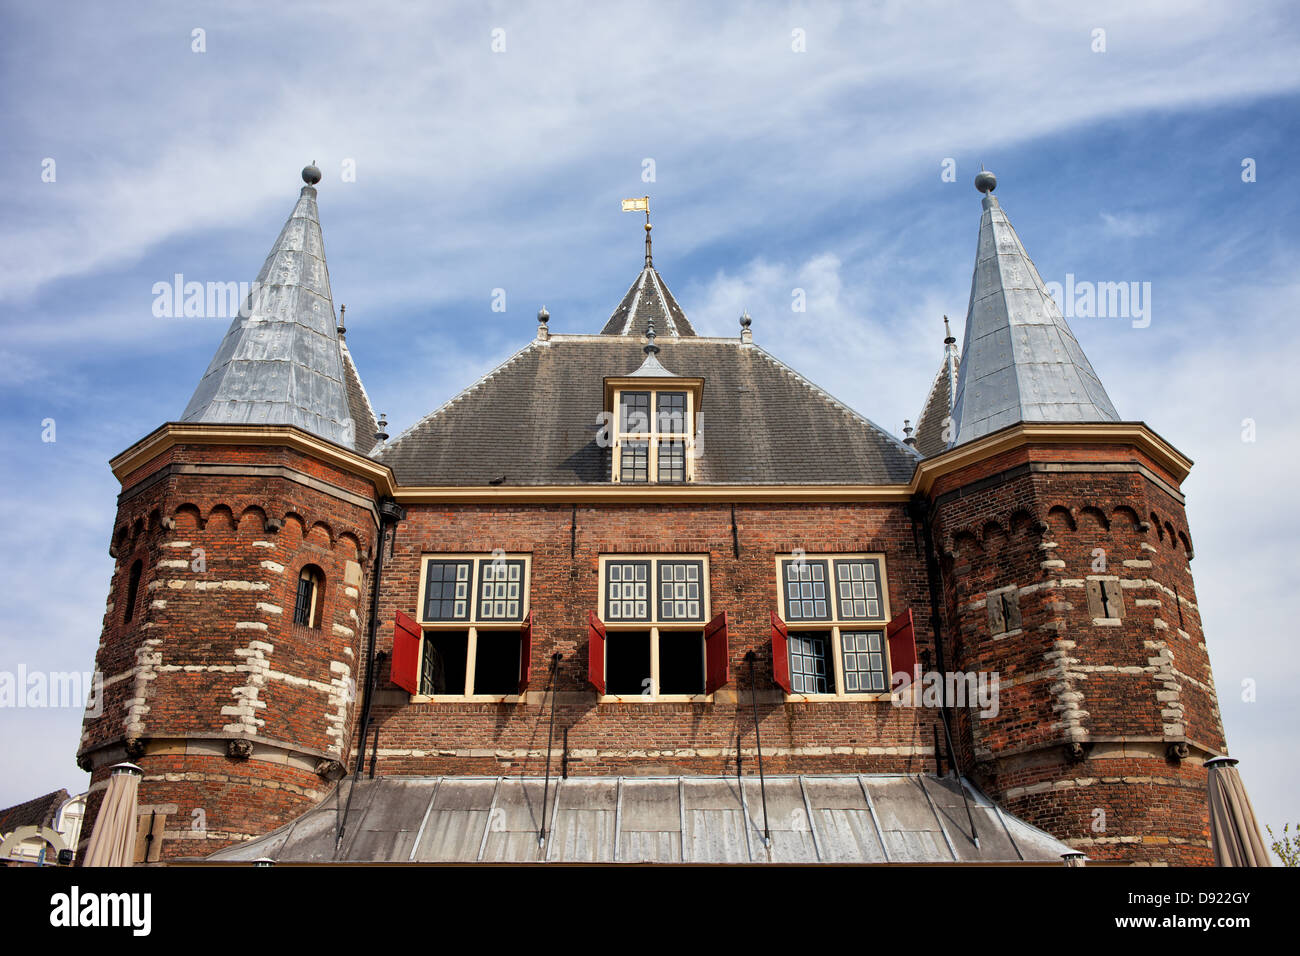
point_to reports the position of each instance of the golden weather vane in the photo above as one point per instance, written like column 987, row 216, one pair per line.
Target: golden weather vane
column 641, row 205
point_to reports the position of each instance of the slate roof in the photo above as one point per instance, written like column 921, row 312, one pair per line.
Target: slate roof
column 1019, row 360
column 648, row 299
column 39, row 812
column 359, row 407
column 280, row 362
column 938, row 403
column 870, row 818
column 535, row 421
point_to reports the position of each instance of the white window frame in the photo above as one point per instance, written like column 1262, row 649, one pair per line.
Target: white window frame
column 655, row 626
column 835, row 625
column 471, row 625
column 654, row 437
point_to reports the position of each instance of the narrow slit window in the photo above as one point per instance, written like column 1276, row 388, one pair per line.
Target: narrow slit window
column 132, row 590
column 306, row 605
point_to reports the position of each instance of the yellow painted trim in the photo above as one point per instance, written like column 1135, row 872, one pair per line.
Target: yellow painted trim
column 926, row 474
column 1014, row 436
column 618, row 493
column 179, row 433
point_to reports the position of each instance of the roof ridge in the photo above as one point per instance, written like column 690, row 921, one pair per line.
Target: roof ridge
column 663, row 299
column 463, row 393
column 832, row 400
column 639, row 285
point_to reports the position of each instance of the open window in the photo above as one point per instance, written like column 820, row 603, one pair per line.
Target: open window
column 308, row 596
column 653, row 638
column 829, row 640
column 473, row 635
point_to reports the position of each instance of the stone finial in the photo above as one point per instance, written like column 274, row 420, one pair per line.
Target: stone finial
column 381, row 433
column 907, row 430
column 543, row 328
column 746, row 335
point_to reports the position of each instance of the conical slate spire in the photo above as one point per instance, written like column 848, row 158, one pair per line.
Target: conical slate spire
column 1019, row 360
column 935, row 425
column 280, row 362
column 646, row 303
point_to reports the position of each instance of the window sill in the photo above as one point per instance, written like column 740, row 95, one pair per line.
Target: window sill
column 466, row 698
column 660, row 699
column 841, row 698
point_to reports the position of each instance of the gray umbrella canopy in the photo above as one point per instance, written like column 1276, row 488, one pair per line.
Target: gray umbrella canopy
column 1234, row 831
column 112, row 843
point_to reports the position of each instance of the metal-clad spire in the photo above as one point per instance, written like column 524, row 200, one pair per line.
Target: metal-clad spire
column 1019, row 360
column 280, row 362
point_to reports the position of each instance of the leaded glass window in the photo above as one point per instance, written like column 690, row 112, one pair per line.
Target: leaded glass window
column 672, row 461
column 447, row 591
column 806, row 596
column 671, row 413
column 864, row 661
column 634, row 461
column 811, row 666
column 627, row 591
column 857, row 584
column 634, row 413
column 681, row 596
column 501, row 590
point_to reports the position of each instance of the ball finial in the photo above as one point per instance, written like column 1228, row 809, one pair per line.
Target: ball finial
column 985, row 181
column 543, row 316
column 310, row 174
column 745, row 320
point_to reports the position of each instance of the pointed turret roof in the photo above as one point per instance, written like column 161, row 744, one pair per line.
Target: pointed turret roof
column 1019, row 360
column 936, row 414
column 280, row 362
column 648, row 302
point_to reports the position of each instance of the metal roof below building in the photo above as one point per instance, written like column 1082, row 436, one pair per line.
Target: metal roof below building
column 872, row 818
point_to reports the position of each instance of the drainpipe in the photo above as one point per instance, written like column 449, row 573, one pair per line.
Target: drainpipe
column 390, row 512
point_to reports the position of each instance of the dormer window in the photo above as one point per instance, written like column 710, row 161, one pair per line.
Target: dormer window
column 654, row 416
column 653, row 446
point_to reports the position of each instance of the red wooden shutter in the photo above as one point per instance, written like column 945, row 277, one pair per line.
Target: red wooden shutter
column 406, row 654
column 780, row 654
column 525, row 652
column 717, row 662
column 902, row 646
column 595, row 652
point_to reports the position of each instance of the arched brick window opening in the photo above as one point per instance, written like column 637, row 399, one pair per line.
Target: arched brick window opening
column 311, row 591
column 132, row 590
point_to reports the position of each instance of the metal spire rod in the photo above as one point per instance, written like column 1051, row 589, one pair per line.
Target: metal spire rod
column 550, row 736
column 750, row 657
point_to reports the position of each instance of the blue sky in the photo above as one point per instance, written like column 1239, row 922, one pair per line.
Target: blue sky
column 774, row 170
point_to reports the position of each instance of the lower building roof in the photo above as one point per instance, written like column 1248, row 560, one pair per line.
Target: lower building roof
column 870, row 818
column 535, row 420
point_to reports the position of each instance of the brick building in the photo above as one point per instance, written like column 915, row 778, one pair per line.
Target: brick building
column 566, row 614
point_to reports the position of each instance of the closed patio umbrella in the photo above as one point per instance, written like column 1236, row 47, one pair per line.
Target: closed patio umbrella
column 112, row 843
column 1234, row 832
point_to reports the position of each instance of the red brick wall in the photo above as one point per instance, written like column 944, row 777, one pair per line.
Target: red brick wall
column 1123, row 693
column 648, row 738
column 213, row 631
